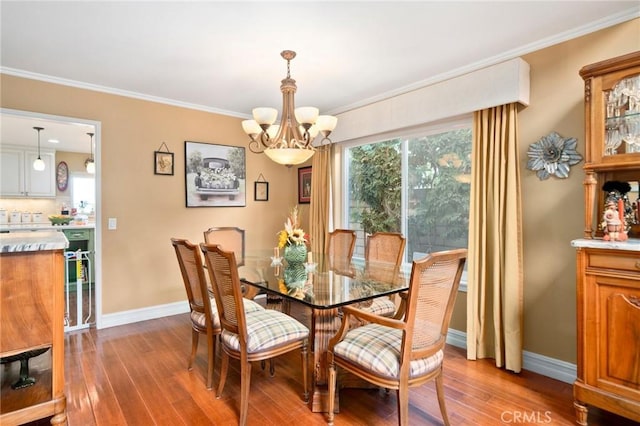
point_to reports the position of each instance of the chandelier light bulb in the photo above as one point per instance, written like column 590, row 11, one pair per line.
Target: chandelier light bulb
column 266, row 116
column 251, row 127
column 313, row 130
column 38, row 164
column 326, row 123
column 307, row 115
column 272, row 131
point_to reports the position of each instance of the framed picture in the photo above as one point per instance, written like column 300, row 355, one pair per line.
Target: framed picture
column 62, row 176
column 163, row 163
column 304, row 185
column 261, row 191
column 214, row 175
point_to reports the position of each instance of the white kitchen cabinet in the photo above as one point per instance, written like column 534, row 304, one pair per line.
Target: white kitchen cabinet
column 19, row 179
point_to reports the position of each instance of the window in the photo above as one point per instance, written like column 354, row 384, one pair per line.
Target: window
column 83, row 193
column 417, row 185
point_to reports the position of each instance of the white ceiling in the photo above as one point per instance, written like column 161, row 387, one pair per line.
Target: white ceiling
column 225, row 56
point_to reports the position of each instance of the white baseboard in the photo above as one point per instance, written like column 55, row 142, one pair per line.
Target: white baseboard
column 541, row 364
column 143, row 314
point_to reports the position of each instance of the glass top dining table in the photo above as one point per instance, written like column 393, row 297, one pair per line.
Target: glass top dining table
column 322, row 284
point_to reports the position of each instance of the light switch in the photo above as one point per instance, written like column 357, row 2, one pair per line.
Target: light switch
column 113, row 223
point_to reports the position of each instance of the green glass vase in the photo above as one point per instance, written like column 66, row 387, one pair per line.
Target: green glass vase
column 295, row 275
column 296, row 253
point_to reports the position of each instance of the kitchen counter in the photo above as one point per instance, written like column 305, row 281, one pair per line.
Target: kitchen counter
column 8, row 227
column 33, row 310
column 32, row 241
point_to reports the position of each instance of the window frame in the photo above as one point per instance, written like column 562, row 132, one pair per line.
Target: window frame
column 460, row 122
column 72, row 179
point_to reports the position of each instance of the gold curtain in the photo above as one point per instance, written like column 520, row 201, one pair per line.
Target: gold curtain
column 320, row 198
column 494, row 295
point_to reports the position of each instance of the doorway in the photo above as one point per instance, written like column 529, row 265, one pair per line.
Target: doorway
column 69, row 138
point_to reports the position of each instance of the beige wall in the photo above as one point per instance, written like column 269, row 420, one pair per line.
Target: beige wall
column 139, row 268
column 553, row 209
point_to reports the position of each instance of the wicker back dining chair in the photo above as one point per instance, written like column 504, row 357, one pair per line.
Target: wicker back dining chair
column 204, row 314
column 399, row 354
column 230, row 238
column 384, row 247
column 341, row 244
column 249, row 336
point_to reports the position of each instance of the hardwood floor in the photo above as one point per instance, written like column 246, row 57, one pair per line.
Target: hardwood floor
column 136, row 375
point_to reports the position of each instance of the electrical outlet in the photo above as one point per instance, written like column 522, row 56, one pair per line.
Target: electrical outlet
column 113, row 224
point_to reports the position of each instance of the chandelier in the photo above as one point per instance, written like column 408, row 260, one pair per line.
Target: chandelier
column 289, row 142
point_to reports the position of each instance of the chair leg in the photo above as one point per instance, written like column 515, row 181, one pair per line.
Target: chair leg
column 403, row 405
column 304, row 353
column 332, row 390
column 223, row 373
column 194, row 347
column 440, row 392
column 211, row 353
column 245, row 381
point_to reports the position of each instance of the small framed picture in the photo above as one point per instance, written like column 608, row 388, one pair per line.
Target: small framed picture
column 261, row 191
column 304, row 185
column 163, row 163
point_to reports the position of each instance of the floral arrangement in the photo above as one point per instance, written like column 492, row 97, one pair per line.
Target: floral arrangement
column 292, row 234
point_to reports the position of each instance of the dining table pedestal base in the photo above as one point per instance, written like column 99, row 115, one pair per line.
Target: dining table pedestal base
column 324, row 325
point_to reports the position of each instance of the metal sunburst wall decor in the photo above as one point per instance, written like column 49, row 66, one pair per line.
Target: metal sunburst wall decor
column 553, row 155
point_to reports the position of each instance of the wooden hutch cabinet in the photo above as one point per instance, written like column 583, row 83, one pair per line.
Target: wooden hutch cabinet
column 608, row 272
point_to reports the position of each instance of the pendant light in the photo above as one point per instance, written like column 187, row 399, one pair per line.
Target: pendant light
column 90, row 163
column 38, row 164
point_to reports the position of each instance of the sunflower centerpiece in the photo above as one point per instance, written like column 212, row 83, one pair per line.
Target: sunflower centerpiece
column 293, row 239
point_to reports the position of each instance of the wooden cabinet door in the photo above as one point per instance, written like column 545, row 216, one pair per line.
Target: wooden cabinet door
column 19, row 179
column 40, row 183
column 616, row 332
column 12, row 173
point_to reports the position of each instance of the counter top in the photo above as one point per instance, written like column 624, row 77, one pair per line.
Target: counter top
column 32, row 241
column 42, row 227
column 632, row 244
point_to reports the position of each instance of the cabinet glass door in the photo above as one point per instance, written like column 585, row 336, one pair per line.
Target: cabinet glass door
column 622, row 117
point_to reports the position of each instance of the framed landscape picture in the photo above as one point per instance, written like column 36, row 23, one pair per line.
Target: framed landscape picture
column 214, row 175
column 304, row 185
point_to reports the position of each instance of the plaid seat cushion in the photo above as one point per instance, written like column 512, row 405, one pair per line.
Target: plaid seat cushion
column 377, row 348
column 251, row 306
column 382, row 306
column 267, row 329
column 198, row 317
